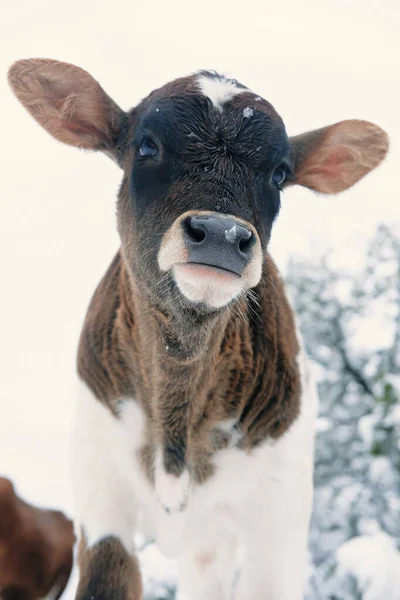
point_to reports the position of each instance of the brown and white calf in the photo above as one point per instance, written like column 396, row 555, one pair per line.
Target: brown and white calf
column 35, row 549
column 195, row 420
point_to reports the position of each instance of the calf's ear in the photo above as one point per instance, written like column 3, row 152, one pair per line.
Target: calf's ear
column 6, row 488
column 332, row 159
column 68, row 103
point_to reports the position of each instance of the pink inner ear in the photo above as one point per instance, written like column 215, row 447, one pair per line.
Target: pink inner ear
column 342, row 155
column 332, row 171
column 67, row 102
column 335, row 162
column 79, row 110
column 84, row 132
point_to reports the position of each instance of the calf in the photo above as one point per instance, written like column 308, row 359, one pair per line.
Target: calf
column 35, row 549
column 195, row 419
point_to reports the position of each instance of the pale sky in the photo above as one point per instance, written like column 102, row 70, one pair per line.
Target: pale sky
column 317, row 61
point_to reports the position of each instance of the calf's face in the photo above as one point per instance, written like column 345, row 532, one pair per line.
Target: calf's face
column 201, row 191
column 204, row 161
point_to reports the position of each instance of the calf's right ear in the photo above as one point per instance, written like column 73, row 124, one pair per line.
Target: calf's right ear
column 68, row 103
column 332, row 159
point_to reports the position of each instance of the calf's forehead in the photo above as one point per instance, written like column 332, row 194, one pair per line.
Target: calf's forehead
column 218, row 88
column 207, row 109
column 208, row 98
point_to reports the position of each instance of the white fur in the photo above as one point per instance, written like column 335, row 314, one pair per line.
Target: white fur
column 228, row 426
column 171, row 491
column 219, row 90
column 172, row 499
column 208, row 290
column 171, row 253
column 105, row 471
column 53, row 593
column 244, row 532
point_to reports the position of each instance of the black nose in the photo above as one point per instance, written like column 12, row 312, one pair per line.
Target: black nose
column 218, row 241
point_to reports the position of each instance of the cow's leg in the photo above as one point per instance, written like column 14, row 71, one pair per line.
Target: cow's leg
column 276, row 512
column 208, row 569
column 108, row 572
column 274, row 566
column 103, row 470
column 276, row 515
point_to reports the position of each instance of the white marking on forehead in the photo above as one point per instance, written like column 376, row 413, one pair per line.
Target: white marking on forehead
column 219, row 90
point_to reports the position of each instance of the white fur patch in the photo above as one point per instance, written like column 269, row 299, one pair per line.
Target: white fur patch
column 173, row 497
column 171, row 532
column 251, row 517
column 267, row 496
column 228, row 426
column 172, row 251
column 208, row 290
column 219, row 89
column 54, row 592
column 106, row 475
column 172, row 491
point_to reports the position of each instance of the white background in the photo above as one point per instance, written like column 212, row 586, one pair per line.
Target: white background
column 317, row 61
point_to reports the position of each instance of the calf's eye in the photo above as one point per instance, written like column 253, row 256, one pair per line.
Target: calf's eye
column 279, row 175
column 148, row 147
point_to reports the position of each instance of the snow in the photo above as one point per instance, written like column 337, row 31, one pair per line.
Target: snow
column 159, row 573
column 248, row 112
column 366, row 428
column 323, row 424
column 230, row 234
column 394, row 380
column 374, row 562
column 381, row 470
column 396, row 409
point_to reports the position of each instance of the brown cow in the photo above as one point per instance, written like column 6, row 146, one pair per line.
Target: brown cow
column 196, row 413
column 35, row 549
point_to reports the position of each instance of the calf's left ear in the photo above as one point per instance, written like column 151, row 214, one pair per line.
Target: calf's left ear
column 332, row 159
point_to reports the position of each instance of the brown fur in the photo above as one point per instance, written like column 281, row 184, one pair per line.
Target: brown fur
column 230, row 368
column 108, row 571
column 35, row 548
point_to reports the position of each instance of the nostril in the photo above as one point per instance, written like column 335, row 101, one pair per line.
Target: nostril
column 195, row 231
column 246, row 241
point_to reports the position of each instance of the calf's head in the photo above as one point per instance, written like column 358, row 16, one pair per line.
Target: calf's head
column 204, row 161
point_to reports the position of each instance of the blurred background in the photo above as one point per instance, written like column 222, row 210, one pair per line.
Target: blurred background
column 317, row 62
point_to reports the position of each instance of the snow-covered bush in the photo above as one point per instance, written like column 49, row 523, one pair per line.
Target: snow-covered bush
column 351, row 326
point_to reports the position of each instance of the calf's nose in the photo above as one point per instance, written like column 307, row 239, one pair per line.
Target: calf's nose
column 218, row 241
